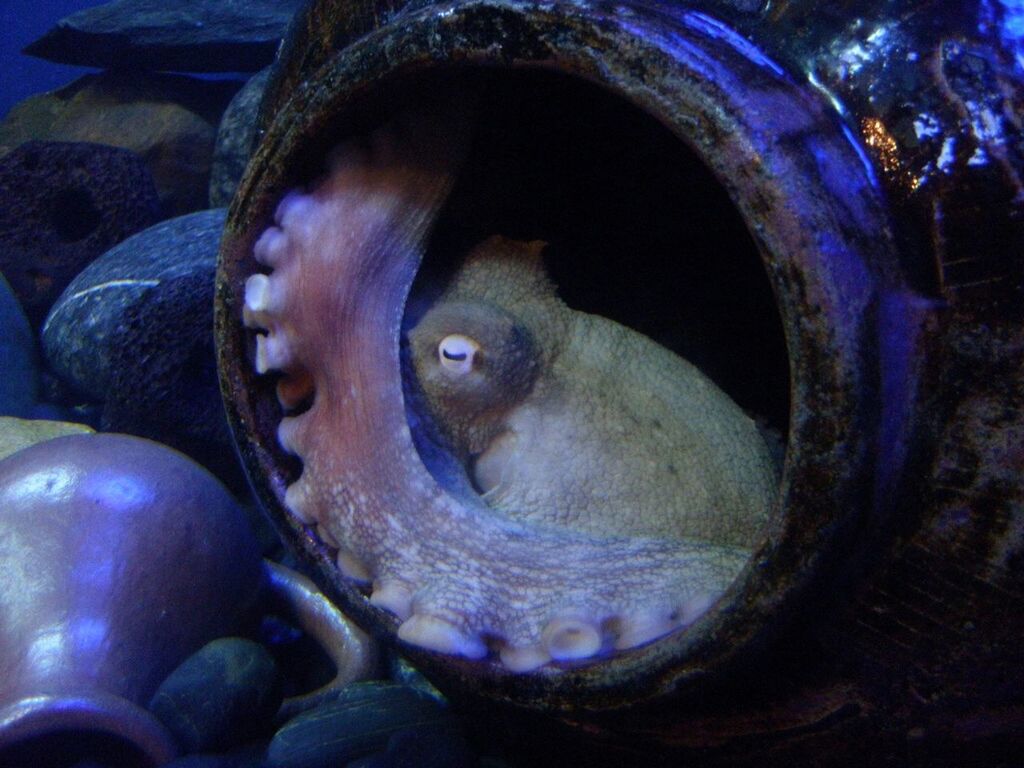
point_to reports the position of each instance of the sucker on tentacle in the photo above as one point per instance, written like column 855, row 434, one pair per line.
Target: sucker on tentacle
column 462, row 578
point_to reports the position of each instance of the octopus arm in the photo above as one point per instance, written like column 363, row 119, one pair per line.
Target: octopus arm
column 461, row 578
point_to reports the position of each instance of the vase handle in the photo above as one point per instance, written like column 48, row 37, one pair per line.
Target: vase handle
column 351, row 650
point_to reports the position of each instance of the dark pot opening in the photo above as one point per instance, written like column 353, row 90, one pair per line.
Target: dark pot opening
column 67, row 749
column 638, row 228
column 61, row 731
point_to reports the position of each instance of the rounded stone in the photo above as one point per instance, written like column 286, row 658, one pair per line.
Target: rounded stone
column 61, row 206
column 79, row 333
column 235, row 139
column 357, row 724
column 223, row 694
column 429, row 748
column 163, row 379
column 133, row 332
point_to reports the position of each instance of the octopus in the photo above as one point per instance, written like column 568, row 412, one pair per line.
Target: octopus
column 567, row 418
column 590, row 522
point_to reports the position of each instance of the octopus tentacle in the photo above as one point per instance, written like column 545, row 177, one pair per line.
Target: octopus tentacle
column 462, row 578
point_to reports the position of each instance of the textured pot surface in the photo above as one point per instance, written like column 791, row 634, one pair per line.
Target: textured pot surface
column 874, row 160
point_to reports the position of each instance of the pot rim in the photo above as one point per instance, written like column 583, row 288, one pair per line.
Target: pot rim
column 96, row 712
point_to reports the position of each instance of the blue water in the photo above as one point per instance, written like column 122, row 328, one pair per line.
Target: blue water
column 21, row 22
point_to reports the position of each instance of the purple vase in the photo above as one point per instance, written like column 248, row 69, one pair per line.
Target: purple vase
column 118, row 558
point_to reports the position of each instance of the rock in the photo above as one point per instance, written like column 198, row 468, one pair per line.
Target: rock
column 16, row 434
column 62, row 402
column 223, row 694
column 401, row 671
column 235, row 140
column 134, row 330
column 61, row 206
column 193, row 36
column 168, row 120
column 80, row 329
column 19, row 381
column 357, row 724
column 163, row 373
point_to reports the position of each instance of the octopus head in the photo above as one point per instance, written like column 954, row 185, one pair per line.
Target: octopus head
column 472, row 360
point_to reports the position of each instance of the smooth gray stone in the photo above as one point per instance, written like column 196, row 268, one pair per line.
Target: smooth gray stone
column 19, row 377
column 220, row 696
column 79, row 332
column 355, row 725
column 169, row 121
column 135, row 332
column 163, row 374
column 236, row 138
column 184, row 36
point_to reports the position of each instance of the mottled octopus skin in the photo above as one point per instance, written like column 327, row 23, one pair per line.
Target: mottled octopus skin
column 572, row 419
column 462, row 578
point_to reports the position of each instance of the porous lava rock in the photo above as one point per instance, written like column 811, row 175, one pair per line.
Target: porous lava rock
column 170, row 121
column 61, row 206
column 223, row 694
column 193, row 36
column 357, row 723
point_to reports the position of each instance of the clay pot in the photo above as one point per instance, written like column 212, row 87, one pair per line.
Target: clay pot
column 891, row 544
column 120, row 558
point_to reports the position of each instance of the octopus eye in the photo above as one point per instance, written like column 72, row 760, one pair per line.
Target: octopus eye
column 456, row 353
